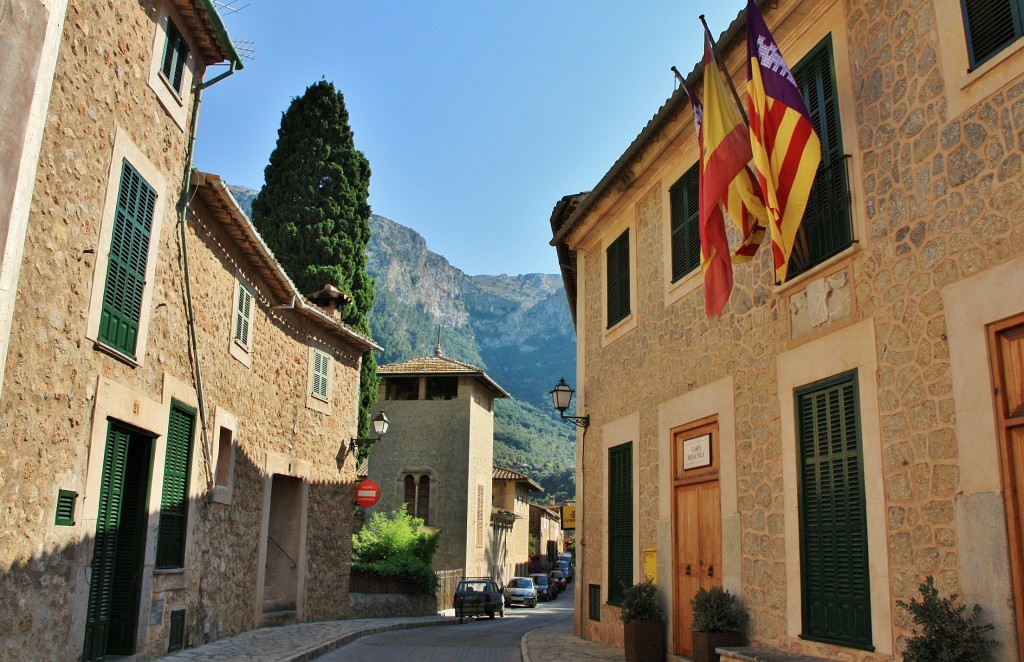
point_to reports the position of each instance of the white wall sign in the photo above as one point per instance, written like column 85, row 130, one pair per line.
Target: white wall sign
column 697, row 452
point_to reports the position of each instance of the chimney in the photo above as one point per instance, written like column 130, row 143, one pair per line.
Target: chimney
column 331, row 299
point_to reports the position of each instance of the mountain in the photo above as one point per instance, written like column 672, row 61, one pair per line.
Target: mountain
column 516, row 328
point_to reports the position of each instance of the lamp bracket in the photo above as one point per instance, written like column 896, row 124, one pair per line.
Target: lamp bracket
column 580, row 421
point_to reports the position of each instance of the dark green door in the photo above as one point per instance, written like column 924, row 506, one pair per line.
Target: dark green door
column 119, row 548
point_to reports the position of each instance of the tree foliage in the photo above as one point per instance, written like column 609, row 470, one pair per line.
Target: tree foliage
column 394, row 545
column 943, row 632
column 313, row 212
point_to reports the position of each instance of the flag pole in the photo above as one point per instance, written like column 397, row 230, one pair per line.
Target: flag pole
column 721, row 67
column 679, row 76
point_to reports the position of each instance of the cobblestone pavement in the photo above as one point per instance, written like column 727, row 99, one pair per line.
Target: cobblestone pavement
column 558, row 644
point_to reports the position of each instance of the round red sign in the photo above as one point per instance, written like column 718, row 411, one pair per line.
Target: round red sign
column 367, row 493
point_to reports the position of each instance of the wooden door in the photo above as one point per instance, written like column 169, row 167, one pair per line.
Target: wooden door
column 697, row 533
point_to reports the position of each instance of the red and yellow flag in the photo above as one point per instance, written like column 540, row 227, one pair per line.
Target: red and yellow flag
column 786, row 149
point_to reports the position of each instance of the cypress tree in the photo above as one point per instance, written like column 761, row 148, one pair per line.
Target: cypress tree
column 314, row 214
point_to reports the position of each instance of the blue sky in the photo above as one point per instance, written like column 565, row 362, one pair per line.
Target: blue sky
column 476, row 116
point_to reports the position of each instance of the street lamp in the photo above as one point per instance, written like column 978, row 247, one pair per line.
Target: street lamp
column 380, row 428
column 561, row 396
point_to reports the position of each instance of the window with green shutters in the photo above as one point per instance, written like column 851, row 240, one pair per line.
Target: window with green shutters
column 833, row 523
column 243, row 317
column 175, row 57
column 826, row 227
column 684, row 198
column 321, row 374
column 618, row 279
column 991, row 26
column 620, row 521
column 170, row 548
column 126, row 267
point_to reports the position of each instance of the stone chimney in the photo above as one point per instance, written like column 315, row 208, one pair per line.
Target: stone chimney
column 331, row 299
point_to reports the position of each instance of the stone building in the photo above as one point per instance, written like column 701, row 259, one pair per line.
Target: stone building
column 174, row 414
column 438, row 455
column 546, row 529
column 510, row 521
column 831, row 441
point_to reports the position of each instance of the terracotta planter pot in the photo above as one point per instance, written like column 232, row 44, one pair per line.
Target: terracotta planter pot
column 705, row 643
column 645, row 641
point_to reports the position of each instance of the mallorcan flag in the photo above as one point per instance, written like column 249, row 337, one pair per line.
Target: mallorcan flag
column 786, row 149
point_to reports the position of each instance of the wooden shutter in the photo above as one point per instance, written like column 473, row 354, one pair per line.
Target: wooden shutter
column 618, row 279
column 170, row 551
column 321, row 373
column 833, row 523
column 684, row 199
column 175, row 56
column 126, row 268
column 115, row 458
column 620, row 521
column 991, row 26
column 826, row 227
column 423, row 500
column 410, row 493
column 243, row 316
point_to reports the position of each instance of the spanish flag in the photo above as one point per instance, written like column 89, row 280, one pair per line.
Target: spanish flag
column 786, row 149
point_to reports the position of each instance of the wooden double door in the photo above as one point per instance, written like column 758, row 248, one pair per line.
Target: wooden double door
column 696, row 527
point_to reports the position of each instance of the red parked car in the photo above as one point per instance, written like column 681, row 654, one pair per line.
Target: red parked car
column 559, row 580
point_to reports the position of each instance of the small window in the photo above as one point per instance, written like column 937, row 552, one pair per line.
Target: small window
column 65, row 508
column 243, row 318
column 175, row 57
column 991, row 26
column 684, row 198
column 403, row 388
column 442, row 388
column 170, row 549
column 225, row 448
column 618, row 279
column 321, row 375
column 176, row 636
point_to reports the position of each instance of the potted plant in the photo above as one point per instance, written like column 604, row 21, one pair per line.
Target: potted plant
column 943, row 630
column 643, row 626
column 717, row 621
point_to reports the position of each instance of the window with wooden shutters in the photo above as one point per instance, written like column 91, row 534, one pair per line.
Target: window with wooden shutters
column 423, row 499
column 243, row 318
column 321, row 374
column 684, row 199
column 126, row 266
column 826, row 227
column 409, row 482
column 175, row 57
column 170, row 548
column 479, row 515
column 833, row 524
column 991, row 26
column 620, row 521
column 618, row 279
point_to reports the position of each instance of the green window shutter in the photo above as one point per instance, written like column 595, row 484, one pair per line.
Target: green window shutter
column 620, row 521
column 618, row 279
column 126, row 268
column 833, row 521
column 170, row 548
column 321, row 374
column 65, row 508
column 243, row 316
column 684, row 199
column 991, row 26
column 826, row 228
column 175, row 56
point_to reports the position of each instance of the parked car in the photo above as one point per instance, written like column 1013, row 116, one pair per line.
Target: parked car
column 545, row 589
column 478, row 596
column 521, row 591
column 558, row 579
column 565, row 567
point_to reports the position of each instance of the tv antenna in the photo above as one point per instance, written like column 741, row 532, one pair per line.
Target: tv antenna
column 228, row 7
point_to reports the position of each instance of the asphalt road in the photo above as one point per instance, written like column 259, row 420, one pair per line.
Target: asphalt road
column 477, row 639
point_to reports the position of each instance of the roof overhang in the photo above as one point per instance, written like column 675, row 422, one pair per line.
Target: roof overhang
column 208, row 30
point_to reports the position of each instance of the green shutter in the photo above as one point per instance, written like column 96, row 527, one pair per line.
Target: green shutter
column 684, row 199
column 620, row 521
column 321, row 373
column 618, row 279
column 991, row 26
column 176, row 636
column 126, row 268
column 826, row 228
column 104, row 556
column 243, row 316
column 833, row 523
column 65, row 515
column 170, row 549
column 175, row 56
column 594, row 602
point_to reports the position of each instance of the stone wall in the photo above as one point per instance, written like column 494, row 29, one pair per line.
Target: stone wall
column 390, row 605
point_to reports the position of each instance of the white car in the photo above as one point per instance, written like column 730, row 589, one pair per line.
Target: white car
column 521, row 591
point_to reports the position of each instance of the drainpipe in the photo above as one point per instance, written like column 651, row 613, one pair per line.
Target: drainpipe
column 186, row 193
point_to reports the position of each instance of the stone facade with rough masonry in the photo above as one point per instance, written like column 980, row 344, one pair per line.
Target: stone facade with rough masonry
column 262, row 460
column 921, row 307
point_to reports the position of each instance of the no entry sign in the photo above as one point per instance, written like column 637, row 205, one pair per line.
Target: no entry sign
column 367, row 493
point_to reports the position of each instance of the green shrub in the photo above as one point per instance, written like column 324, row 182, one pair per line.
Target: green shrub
column 640, row 602
column 716, row 610
column 943, row 632
column 393, row 545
